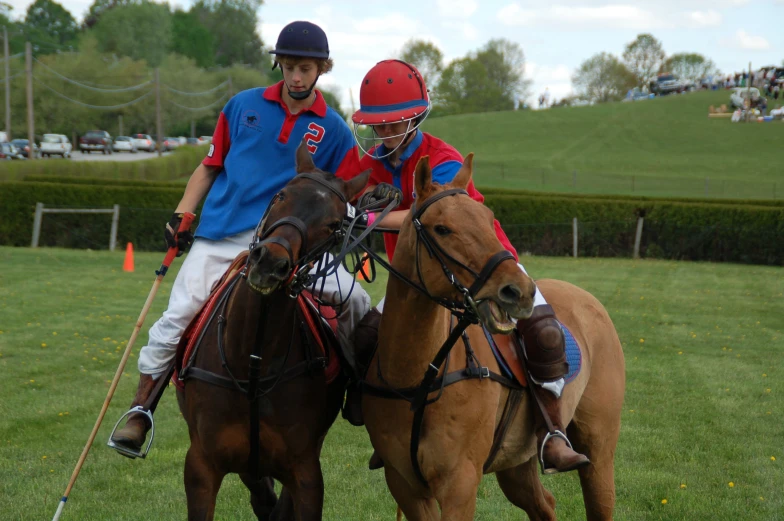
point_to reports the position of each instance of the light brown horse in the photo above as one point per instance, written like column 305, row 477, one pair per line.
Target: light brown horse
column 297, row 403
column 458, row 428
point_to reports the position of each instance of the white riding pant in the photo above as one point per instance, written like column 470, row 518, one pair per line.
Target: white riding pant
column 205, row 264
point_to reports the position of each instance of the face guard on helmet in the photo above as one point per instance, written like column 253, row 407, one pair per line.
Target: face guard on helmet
column 392, row 91
column 304, row 40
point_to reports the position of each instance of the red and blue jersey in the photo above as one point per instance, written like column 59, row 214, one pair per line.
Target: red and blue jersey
column 445, row 162
column 254, row 146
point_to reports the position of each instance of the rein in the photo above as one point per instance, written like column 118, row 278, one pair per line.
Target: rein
column 465, row 311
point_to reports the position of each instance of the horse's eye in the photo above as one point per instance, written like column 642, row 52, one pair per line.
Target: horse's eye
column 442, row 230
column 335, row 226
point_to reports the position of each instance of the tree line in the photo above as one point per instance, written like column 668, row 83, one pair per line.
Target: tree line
column 605, row 77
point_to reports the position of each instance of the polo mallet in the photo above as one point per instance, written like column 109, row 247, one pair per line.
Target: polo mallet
column 187, row 219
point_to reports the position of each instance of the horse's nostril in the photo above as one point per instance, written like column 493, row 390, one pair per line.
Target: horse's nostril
column 510, row 293
column 281, row 269
column 256, row 254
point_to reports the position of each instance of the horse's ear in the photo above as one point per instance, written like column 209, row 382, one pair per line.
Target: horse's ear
column 423, row 178
column 303, row 159
column 463, row 176
column 355, row 186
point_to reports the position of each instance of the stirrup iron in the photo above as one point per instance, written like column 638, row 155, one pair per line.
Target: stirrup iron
column 125, row 451
column 555, row 434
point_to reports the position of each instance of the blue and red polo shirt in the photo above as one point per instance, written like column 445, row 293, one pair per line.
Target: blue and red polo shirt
column 254, row 144
column 445, row 162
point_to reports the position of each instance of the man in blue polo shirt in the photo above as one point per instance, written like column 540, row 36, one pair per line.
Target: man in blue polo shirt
column 250, row 160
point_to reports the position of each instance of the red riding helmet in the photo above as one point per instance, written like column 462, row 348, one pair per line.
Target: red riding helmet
column 392, row 91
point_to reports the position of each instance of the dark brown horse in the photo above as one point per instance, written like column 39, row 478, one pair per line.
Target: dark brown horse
column 434, row 460
column 297, row 406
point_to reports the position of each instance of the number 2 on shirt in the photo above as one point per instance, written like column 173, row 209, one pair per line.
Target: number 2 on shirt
column 315, row 136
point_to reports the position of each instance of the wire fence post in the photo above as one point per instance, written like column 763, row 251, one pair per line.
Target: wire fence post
column 7, row 85
column 158, row 122
column 637, row 238
column 115, row 221
column 30, row 115
column 574, row 237
column 39, row 212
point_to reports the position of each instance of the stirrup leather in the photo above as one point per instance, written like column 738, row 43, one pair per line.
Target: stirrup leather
column 125, row 450
column 555, row 434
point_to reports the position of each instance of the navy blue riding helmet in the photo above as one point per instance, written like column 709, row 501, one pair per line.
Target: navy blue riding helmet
column 302, row 39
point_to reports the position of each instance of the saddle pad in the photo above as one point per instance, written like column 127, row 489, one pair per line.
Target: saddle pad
column 505, row 352
column 309, row 312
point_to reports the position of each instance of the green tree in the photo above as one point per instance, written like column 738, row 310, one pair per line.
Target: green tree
column 98, row 7
column 49, row 26
column 690, row 67
column 426, row 57
column 603, row 77
column 644, row 58
column 233, row 25
column 190, row 38
column 505, row 65
column 141, row 31
column 331, row 95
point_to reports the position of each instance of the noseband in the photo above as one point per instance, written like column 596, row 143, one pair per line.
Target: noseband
column 262, row 236
column 469, row 303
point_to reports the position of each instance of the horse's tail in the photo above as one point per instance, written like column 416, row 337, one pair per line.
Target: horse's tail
column 399, row 516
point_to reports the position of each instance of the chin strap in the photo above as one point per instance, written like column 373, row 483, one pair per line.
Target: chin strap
column 303, row 95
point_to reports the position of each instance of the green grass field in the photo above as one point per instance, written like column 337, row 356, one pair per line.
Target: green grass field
column 701, row 438
column 663, row 146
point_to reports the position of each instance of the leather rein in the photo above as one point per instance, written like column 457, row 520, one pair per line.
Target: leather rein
column 466, row 313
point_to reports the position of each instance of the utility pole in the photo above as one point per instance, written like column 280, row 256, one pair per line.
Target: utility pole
column 7, row 86
column 30, row 118
column 193, row 128
column 119, row 125
column 158, row 123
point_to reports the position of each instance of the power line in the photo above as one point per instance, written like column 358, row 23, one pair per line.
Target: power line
column 219, row 100
column 96, row 89
column 17, row 55
column 202, row 93
column 11, row 77
column 112, row 107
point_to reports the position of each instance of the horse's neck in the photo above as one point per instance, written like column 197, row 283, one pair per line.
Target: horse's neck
column 252, row 319
column 412, row 331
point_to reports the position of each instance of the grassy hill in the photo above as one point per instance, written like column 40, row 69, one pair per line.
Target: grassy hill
column 663, row 146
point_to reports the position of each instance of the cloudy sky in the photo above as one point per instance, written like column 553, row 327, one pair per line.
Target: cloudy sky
column 555, row 37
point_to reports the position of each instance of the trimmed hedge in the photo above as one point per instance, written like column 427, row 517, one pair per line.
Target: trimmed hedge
column 641, row 198
column 538, row 224
column 105, row 182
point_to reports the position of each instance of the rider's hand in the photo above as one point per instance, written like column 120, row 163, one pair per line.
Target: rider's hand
column 382, row 192
column 174, row 239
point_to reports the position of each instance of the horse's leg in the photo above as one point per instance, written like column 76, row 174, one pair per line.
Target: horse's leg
column 597, row 479
column 202, row 483
column 307, row 489
column 456, row 492
column 521, row 485
column 284, row 508
column 415, row 507
column 262, row 495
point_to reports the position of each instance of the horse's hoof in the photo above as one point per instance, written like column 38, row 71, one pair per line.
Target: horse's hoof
column 375, row 462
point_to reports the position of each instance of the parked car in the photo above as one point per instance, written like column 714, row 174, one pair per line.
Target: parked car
column 205, row 140
column 740, row 95
column 183, row 140
column 3, row 137
column 194, row 141
column 170, row 143
column 144, row 142
column 667, row 84
column 98, row 140
column 636, row 94
column 124, row 144
column 8, row 151
column 24, row 148
column 56, row 145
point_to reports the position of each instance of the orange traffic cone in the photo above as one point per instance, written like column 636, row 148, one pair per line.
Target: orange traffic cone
column 365, row 267
column 128, row 263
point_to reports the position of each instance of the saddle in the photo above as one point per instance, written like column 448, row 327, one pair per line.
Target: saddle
column 320, row 322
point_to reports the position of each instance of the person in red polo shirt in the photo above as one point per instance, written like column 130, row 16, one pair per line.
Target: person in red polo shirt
column 252, row 157
column 394, row 102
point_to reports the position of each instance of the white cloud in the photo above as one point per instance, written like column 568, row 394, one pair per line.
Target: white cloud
column 465, row 29
column 748, row 42
column 456, row 8
column 618, row 16
column 708, row 18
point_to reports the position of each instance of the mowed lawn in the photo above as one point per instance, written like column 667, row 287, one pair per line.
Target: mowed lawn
column 702, row 434
column 663, row 146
